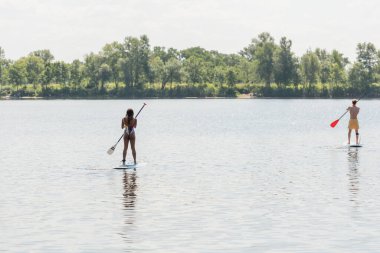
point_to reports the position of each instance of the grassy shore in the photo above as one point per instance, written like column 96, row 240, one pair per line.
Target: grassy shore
column 181, row 90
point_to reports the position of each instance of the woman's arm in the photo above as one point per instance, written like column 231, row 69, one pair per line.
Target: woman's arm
column 135, row 125
column 122, row 123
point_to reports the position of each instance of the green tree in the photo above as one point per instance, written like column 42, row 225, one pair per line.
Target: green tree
column 157, row 68
column 76, row 73
column 285, row 66
column 247, row 71
column 105, row 74
column 194, row 68
column 92, row 65
column 197, row 52
column 48, row 75
column 377, row 77
column 337, row 70
column 173, row 70
column 357, row 77
column 261, row 50
column 135, row 61
column 325, row 64
column 18, row 73
column 220, row 75
column 34, row 69
column 112, row 53
column 165, row 72
column 61, row 72
column 310, row 68
column 47, row 58
column 44, row 55
column 2, row 66
column 368, row 59
column 231, row 77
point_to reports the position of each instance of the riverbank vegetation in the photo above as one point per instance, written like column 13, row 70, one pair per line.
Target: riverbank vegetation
column 133, row 69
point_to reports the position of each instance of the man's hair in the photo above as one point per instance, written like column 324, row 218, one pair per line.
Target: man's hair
column 354, row 101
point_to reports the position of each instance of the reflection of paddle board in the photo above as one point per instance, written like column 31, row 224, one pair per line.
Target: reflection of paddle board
column 130, row 166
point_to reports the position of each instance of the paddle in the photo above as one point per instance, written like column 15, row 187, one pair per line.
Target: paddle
column 335, row 122
column 112, row 149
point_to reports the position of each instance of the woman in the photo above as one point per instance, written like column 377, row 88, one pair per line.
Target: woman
column 129, row 123
column 353, row 123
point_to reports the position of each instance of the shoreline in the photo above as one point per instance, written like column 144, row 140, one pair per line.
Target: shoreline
column 158, row 98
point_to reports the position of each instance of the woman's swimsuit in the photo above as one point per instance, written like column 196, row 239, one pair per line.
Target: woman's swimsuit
column 129, row 130
column 353, row 124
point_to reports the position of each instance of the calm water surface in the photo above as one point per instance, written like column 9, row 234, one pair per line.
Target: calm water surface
column 221, row 176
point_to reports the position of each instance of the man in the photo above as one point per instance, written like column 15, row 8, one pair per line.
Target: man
column 353, row 123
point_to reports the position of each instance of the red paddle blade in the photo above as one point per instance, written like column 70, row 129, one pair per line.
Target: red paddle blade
column 333, row 124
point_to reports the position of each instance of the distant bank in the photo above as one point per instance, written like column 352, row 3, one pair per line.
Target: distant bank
column 133, row 68
column 183, row 90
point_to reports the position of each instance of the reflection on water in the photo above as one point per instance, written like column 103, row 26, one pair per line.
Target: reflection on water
column 223, row 176
column 353, row 173
column 129, row 201
column 130, row 188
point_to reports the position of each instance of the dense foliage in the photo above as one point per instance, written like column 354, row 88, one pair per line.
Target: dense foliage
column 133, row 68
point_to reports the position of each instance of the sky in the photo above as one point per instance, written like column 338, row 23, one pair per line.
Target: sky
column 70, row 29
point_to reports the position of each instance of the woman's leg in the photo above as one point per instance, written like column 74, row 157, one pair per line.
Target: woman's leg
column 133, row 141
column 126, row 141
column 349, row 135
column 357, row 135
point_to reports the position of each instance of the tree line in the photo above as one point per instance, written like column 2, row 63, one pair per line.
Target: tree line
column 132, row 68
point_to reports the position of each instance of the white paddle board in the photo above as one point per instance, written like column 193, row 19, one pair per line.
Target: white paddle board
column 129, row 166
column 354, row 145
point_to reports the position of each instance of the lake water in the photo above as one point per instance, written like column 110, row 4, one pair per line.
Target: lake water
column 221, row 176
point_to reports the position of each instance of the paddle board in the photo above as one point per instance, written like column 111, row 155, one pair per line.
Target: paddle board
column 354, row 145
column 129, row 166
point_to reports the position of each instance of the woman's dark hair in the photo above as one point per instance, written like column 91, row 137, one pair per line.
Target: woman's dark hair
column 130, row 115
column 354, row 101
